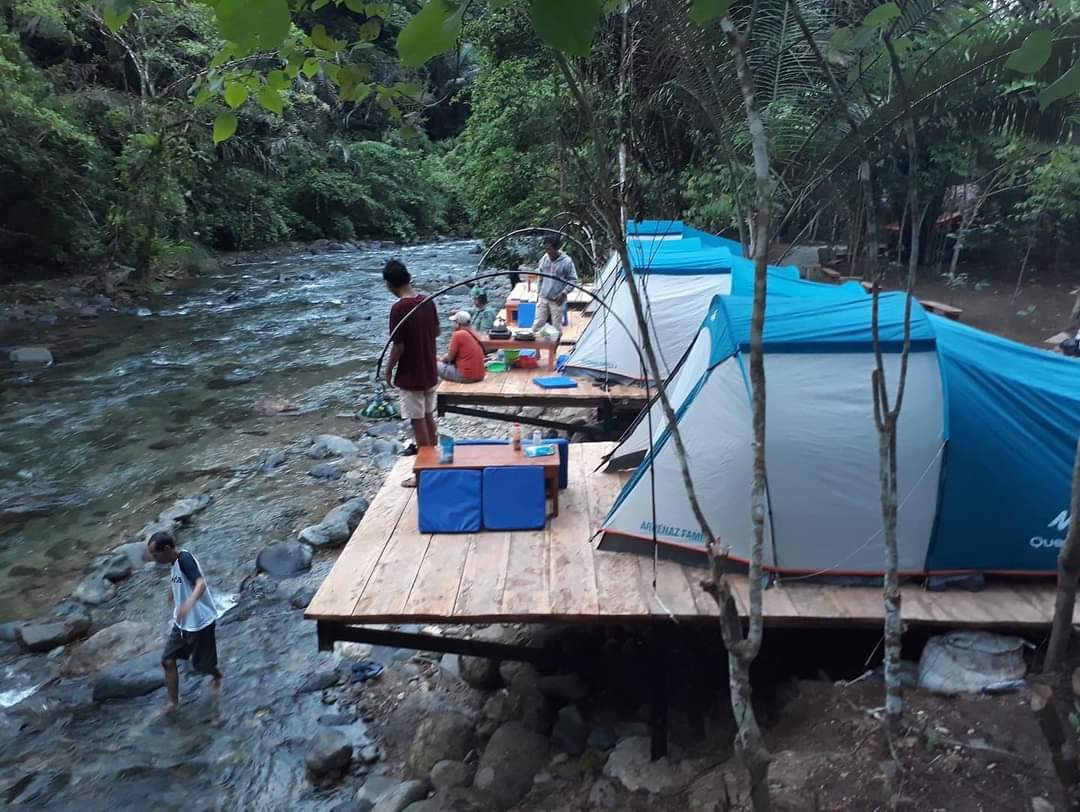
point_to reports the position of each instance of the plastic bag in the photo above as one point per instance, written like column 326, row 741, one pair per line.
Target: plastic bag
column 380, row 408
column 970, row 662
column 548, row 333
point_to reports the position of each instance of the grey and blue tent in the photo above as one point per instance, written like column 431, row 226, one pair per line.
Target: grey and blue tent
column 986, row 440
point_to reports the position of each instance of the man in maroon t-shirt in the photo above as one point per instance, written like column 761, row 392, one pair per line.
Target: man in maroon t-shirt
column 413, row 353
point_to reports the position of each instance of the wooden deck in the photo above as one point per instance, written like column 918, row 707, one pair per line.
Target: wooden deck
column 524, row 292
column 390, row 573
column 570, row 332
column 515, row 388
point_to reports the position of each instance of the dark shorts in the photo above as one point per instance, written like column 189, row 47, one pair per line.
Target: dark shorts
column 200, row 647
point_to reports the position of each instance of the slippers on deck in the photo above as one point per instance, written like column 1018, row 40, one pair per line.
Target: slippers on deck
column 409, row 482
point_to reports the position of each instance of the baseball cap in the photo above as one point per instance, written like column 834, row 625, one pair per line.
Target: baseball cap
column 478, row 291
column 461, row 317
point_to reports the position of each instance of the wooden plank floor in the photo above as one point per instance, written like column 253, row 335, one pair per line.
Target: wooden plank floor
column 515, row 388
column 390, row 573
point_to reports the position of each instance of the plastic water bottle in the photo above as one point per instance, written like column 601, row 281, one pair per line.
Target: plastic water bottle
column 515, row 437
column 537, row 437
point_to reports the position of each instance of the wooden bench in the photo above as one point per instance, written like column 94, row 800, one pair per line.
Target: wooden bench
column 552, row 348
column 472, row 457
column 948, row 311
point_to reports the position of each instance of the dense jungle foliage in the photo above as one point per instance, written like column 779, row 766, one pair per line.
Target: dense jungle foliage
column 131, row 143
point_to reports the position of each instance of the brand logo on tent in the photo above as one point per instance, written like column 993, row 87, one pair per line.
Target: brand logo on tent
column 673, row 532
column 1061, row 523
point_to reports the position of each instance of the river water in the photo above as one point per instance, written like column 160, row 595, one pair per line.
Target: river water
column 136, row 410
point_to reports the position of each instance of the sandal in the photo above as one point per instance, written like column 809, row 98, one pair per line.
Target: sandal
column 409, row 482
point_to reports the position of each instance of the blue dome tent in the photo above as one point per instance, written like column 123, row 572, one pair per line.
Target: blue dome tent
column 986, row 440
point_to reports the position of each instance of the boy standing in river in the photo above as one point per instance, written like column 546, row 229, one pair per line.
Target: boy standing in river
column 412, row 367
column 194, row 617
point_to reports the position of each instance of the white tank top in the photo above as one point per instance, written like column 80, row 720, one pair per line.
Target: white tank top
column 204, row 612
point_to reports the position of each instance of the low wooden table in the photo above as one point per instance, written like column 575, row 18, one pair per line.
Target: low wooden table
column 471, row 457
column 552, row 347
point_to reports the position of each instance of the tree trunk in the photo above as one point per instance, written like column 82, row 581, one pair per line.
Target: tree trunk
column 749, row 743
column 1068, row 573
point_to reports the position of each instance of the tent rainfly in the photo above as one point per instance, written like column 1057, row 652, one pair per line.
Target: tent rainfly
column 986, row 441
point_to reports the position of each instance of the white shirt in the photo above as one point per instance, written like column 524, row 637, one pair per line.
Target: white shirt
column 184, row 573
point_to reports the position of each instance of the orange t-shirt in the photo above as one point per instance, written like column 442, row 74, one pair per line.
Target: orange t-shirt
column 468, row 355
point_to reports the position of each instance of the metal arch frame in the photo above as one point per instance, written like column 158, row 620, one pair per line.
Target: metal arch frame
column 532, row 230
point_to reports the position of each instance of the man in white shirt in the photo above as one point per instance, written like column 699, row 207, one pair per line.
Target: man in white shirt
column 194, row 617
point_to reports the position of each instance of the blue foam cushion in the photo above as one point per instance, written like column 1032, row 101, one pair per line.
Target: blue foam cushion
column 514, row 498
column 555, row 382
column 563, row 445
column 449, row 501
column 526, row 314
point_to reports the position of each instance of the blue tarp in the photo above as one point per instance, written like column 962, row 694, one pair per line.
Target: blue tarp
column 806, row 324
column 662, row 228
column 1013, row 417
column 644, row 251
column 694, row 263
column 714, row 240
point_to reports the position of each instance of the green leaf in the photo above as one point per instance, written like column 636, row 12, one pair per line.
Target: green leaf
column 377, row 10
column 310, row 68
column 864, row 36
column 332, row 71
column 1033, row 54
column 370, row 30
column 410, row 89
column 1067, row 84
column 881, row 15
column 115, row 19
column 235, row 94
column 224, row 127
column 271, row 100
column 705, row 11
column 356, row 6
column 841, row 39
column 566, row 25
column 318, row 4
column 277, row 80
column 254, row 23
column 434, row 30
column 203, row 96
column 221, row 57
column 323, row 40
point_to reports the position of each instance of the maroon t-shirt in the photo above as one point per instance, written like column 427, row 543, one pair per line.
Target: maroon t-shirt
column 417, row 370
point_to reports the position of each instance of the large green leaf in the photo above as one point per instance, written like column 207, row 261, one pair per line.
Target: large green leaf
column 236, row 94
column 566, row 25
column 271, row 100
column 1067, row 84
column 1034, row 52
column 433, row 31
column 705, row 11
column 224, row 127
column 254, row 23
column 881, row 15
column 115, row 18
column 320, row 39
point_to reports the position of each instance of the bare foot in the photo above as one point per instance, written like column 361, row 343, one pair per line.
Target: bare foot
column 410, row 482
column 169, row 711
column 215, row 687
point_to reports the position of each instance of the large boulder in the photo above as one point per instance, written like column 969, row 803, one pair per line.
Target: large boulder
column 570, row 732
column 442, row 736
column 95, row 590
column 114, row 644
column 337, row 525
column 528, row 702
column 631, row 764
column 9, row 632
column 137, row 677
column 330, row 445
column 116, row 567
column 450, row 775
column 327, row 471
column 480, row 672
column 284, row 559
column 30, row 355
column 182, row 510
column 135, row 552
column 563, row 687
column 373, row 789
column 330, row 752
column 397, row 798
column 39, row 637
column 512, row 757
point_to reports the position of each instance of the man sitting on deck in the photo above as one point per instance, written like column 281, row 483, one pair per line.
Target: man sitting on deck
column 413, row 354
column 553, row 291
column 464, row 362
column 483, row 314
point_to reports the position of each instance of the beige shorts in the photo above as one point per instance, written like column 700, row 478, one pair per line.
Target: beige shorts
column 416, row 405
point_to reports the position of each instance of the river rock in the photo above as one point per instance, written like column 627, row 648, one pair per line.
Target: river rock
column 384, row 462
column 603, row 795
column 327, row 471
column 135, row 552
column 302, row 597
column 381, row 447
column 9, row 632
column 136, row 677
column 529, row 704
column 337, row 525
column 442, row 736
column 450, row 774
column 602, row 738
column 319, row 681
column 631, row 764
column 481, row 673
column 570, row 732
column 182, row 510
column 330, row 752
column 512, row 757
column 273, row 461
column 374, row 788
column 330, row 445
column 116, row 567
column 119, row 642
column 30, row 355
column 397, row 798
column 563, row 687
column 384, row 430
column 95, row 590
column 284, row 559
